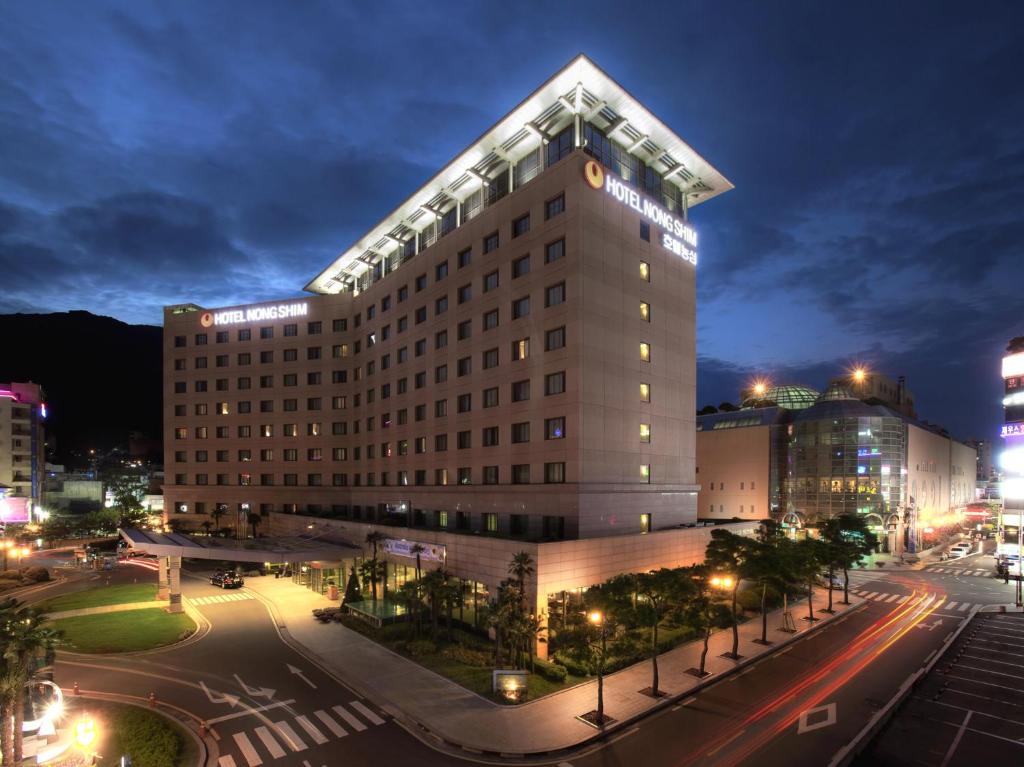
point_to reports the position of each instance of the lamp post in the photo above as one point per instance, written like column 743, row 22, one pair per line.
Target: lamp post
column 596, row 618
column 24, row 551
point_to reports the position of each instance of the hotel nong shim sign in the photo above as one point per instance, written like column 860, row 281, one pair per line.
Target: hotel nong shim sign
column 676, row 234
column 254, row 314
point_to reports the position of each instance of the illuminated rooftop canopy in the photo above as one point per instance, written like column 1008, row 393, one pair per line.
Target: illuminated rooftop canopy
column 581, row 88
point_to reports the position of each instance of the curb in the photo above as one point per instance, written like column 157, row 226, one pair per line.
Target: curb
column 208, row 749
column 203, row 627
column 437, row 741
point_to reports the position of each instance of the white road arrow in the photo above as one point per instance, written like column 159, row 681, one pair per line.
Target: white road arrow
column 299, row 674
column 930, row 626
column 255, row 692
column 231, row 700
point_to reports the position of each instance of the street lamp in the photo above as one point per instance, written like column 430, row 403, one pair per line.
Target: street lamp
column 85, row 733
column 724, row 582
column 7, row 546
column 596, row 618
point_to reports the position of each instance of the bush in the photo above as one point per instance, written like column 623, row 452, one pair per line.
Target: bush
column 419, row 647
column 571, row 665
column 551, row 671
column 468, row 656
column 37, row 574
column 750, row 599
column 146, row 738
column 10, row 575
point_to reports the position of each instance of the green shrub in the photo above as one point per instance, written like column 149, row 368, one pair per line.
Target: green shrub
column 573, row 666
column 420, row 647
column 551, row 671
column 146, row 738
column 750, row 599
column 467, row 655
column 37, row 574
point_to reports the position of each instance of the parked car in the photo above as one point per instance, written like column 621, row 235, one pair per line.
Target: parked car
column 960, row 550
column 227, row 579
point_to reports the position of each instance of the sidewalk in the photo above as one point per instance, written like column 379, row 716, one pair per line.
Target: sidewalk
column 462, row 718
column 106, row 609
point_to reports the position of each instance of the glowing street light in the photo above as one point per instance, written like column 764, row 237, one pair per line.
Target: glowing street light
column 859, row 374
column 85, row 732
column 722, row 582
column 596, row 617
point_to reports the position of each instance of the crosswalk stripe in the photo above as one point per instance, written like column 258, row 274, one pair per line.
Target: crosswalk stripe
column 963, row 607
column 310, row 728
column 903, row 599
column 951, row 605
column 246, row 747
column 893, row 598
column 870, row 594
column 880, row 598
column 335, row 728
column 290, row 736
column 268, row 740
column 374, row 719
column 353, row 722
column 226, row 761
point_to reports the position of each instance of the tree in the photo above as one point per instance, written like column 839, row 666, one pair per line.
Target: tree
column 255, row 519
column 767, row 568
column 207, row 525
column 707, row 410
column 217, row 513
column 352, row 593
column 451, row 597
column 806, row 558
column 416, row 550
column 434, row 584
column 855, row 541
column 373, row 538
column 727, row 407
column 502, row 617
column 521, row 568
column 729, row 553
column 127, row 486
column 704, row 610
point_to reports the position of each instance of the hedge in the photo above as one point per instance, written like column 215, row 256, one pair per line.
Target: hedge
column 551, row 671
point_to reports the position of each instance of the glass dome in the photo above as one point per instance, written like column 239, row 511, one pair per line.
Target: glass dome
column 836, row 392
column 790, row 397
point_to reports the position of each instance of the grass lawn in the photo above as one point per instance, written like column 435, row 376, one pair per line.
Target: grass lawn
column 101, row 596
column 149, row 739
column 125, row 631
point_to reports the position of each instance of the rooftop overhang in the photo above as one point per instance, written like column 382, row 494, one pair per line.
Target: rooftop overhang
column 274, row 550
column 581, row 88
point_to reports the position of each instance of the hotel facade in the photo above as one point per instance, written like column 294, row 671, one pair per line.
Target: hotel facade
column 506, row 362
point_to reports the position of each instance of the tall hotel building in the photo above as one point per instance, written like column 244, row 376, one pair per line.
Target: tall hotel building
column 505, row 362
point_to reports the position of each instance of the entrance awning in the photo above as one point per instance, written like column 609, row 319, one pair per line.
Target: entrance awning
column 274, row 550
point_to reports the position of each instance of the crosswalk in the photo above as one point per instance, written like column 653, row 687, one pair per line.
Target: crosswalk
column 976, row 572
column 898, row 599
column 236, row 596
column 268, row 742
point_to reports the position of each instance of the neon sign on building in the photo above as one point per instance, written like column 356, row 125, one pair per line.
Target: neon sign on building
column 254, row 314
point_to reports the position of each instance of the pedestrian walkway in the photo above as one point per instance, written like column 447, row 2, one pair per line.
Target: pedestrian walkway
column 238, row 596
column 294, row 734
column 974, row 572
column 898, row 599
column 461, row 717
column 106, row 609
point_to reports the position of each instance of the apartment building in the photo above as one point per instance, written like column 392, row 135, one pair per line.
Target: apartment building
column 22, row 450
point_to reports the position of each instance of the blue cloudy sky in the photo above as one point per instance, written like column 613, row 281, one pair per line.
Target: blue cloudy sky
column 222, row 152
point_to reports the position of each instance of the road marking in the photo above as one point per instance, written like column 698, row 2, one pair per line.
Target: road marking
column 688, row 701
column 335, row 728
column 950, row 605
column 249, row 711
column 290, row 736
column 963, row 607
column 256, row 692
column 903, row 599
column 246, row 747
column 893, row 598
column 311, row 729
column 226, row 761
column 870, row 594
column 723, row 745
column 804, row 725
column 350, row 718
column 268, row 740
column 300, row 674
column 374, row 719
column 956, row 740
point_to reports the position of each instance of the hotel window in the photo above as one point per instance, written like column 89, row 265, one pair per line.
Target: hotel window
column 645, row 392
column 645, row 231
column 421, row 282
column 520, row 226
column 201, row 432
column 223, row 479
column 520, row 474
column 440, row 443
column 490, row 281
column 339, row 454
column 339, row 325
column 464, row 403
column 645, row 311
column 244, row 406
column 440, row 271
column 403, row 385
column 489, row 435
column 200, row 409
column 245, row 479
column 244, row 358
column 221, row 360
column 403, row 354
column 267, row 454
column 200, row 386
column 200, row 339
column 490, row 475
column 314, row 429
column 221, row 408
column 521, row 391
column 179, row 341
column 440, row 476
column 555, row 295
column 243, row 383
column 554, row 339
column 291, row 379
column 465, row 257
column 520, row 267
column 645, row 523
column 554, row 251
column 291, row 355
column 313, row 480
column 266, row 430
column 419, row 445
column 645, row 351
column 554, row 428
column 291, row 430
column 179, row 364
column 266, row 382
column 441, row 339
column 554, row 473
column 339, row 402
column 222, row 432
column 645, row 473
column 181, row 433
column 179, row 410
column 464, row 330
column 202, row 479
column 464, row 440
column 420, row 315
column 420, row 347
column 339, row 350
column 441, row 373
column 266, row 356
column 403, row 447
column 441, row 305
column 490, row 522
column 465, row 293
column 554, row 206
column 490, row 359
column 464, row 476
column 490, row 242
column 520, row 349
column 266, row 333
column 491, row 397
column 554, row 383
column 244, row 432
column 403, row 324
column 403, row 293
column 521, row 307
column 314, row 403
column 291, row 330
column 221, row 384
column 521, row 432
column 314, row 379
column 491, row 320
column 245, row 335
column 290, row 405
column 645, row 432
column 440, row 408
column 420, row 413
column 560, row 146
column 385, row 303
column 645, row 271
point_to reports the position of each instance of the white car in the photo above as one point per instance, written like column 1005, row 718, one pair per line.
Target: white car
column 960, row 550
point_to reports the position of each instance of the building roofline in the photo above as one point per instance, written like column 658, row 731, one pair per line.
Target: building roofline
column 580, row 87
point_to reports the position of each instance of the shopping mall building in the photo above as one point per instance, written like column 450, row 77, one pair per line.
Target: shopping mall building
column 505, row 362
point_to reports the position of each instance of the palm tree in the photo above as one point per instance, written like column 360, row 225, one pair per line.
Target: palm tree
column 434, row 583
column 207, row 525
column 416, row 550
column 521, row 568
column 451, row 597
column 255, row 519
column 216, row 514
column 373, row 538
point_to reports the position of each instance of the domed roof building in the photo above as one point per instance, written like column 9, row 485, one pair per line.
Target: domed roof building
column 789, row 396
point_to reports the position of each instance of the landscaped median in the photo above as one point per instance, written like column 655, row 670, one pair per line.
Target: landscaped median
column 111, row 619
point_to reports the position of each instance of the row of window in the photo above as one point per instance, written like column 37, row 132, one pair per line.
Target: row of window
column 743, row 485
column 743, row 509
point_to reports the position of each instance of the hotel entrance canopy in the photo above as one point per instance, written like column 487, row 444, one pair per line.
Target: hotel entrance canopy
column 274, row 550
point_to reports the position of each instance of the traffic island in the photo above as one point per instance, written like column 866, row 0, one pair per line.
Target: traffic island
column 124, row 630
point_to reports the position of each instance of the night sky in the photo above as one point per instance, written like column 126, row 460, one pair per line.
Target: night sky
column 225, row 152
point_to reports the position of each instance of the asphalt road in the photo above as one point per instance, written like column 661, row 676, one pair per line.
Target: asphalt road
column 265, row 703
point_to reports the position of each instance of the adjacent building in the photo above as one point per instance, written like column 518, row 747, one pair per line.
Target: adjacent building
column 505, row 361
column 22, row 450
column 801, row 457
column 1011, row 461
